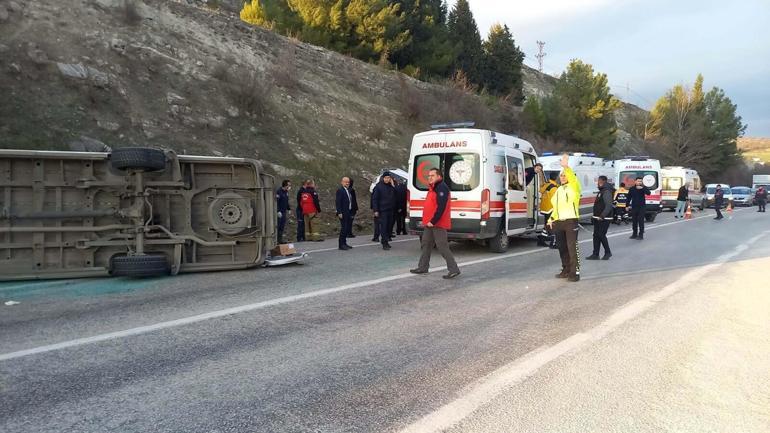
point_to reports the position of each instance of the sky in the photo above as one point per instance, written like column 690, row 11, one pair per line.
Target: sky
column 647, row 46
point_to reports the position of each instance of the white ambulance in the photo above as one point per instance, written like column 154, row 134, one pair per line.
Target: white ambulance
column 588, row 167
column 632, row 167
column 672, row 179
column 491, row 178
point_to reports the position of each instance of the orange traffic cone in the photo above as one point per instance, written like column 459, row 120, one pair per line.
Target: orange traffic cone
column 688, row 214
column 730, row 207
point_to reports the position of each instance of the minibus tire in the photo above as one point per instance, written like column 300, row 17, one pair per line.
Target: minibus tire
column 499, row 243
column 150, row 265
column 138, row 158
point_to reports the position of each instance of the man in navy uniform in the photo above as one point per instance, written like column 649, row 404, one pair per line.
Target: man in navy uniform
column 282, row 202
column 383, row 205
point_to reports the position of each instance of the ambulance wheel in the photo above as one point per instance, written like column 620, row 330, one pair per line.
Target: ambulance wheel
column 650, row 217
column 499, row 243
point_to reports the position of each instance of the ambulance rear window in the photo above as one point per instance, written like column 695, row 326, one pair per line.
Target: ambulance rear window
column 649, row 178
column 461, row 171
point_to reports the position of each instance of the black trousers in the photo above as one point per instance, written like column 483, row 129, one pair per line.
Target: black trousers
column 386, row 225
column 376, row 229
column 566, row 237
column 600, row 236
column 346, row 225
column 281, row 226
column 718, row 208
column 401, row 222
column 761, row 203
column 637, row 218
column 300, row 225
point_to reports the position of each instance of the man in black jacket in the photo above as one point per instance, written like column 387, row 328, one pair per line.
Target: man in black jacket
column 602, row 218
column 344, row 205
column 637, row 207
column 401, row 208
column 719, row 199
column 383, row 205
column 681, row 202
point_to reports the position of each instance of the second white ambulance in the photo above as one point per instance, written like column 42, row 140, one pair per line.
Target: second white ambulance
column 630, row 168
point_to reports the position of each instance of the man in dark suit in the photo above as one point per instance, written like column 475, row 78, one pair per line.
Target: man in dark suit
column 352, row 191
column 344, row 203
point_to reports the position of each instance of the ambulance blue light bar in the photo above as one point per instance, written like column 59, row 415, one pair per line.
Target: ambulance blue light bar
column 547, row 154
column 453, row 125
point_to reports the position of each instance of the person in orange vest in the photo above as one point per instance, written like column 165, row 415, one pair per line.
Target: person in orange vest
column 437, row 220
column 311, row 207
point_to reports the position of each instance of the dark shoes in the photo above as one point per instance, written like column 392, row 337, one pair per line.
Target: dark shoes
column 385, row 246
column 607, row 256
column 451, row 275
column 633, row 237
column 640, row 238
column 375, row 239
column 418, row 271
column 593, row 257
column 351, row 236
column 562, row 274
column 573, row 278
column 346, row 247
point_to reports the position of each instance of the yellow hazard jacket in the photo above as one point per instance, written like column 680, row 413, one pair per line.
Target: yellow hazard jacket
column 621, row 197
column 547, row 191
column 566, row 201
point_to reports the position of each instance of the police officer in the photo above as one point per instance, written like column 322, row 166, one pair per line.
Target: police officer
column 401, row 208
column 564, row 221
column 282, row 203
column 601, row 219
column 637, row 207
column 383, row 205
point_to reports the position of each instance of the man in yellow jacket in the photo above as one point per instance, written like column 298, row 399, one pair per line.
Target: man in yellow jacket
column 548, row 188
column 564, row 221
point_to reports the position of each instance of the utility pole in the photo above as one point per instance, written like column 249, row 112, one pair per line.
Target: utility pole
column 540, row 55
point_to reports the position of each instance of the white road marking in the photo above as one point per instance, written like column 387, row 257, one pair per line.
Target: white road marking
column 487, row 388
column 260, row 305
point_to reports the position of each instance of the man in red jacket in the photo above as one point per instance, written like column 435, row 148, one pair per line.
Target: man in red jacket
column 437, row 219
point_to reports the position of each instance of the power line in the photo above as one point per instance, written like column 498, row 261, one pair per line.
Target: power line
column 540, row 55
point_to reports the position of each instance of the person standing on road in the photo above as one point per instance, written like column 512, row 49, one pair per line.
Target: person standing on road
column 621, row 202
column 436, row 220
column 355, row 208
column 383, row 204
column 564, row 221
column 761, row 198
column 681, row 202
column 311, row 207
column 601, row 219
column 299, row 212
column 401, row 208
column 282, row 203
column 547, row 190
column 344, row 206
column 719, row 199
column 637, row 207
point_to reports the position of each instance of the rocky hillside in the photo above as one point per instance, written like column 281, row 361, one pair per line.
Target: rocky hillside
column 189, row 75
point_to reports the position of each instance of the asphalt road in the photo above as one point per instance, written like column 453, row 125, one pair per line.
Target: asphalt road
column 672, row 334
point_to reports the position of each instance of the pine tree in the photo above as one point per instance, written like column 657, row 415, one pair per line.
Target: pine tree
column 502, row 64
column 581, row 109
column 427, row 51
column 466, row 40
